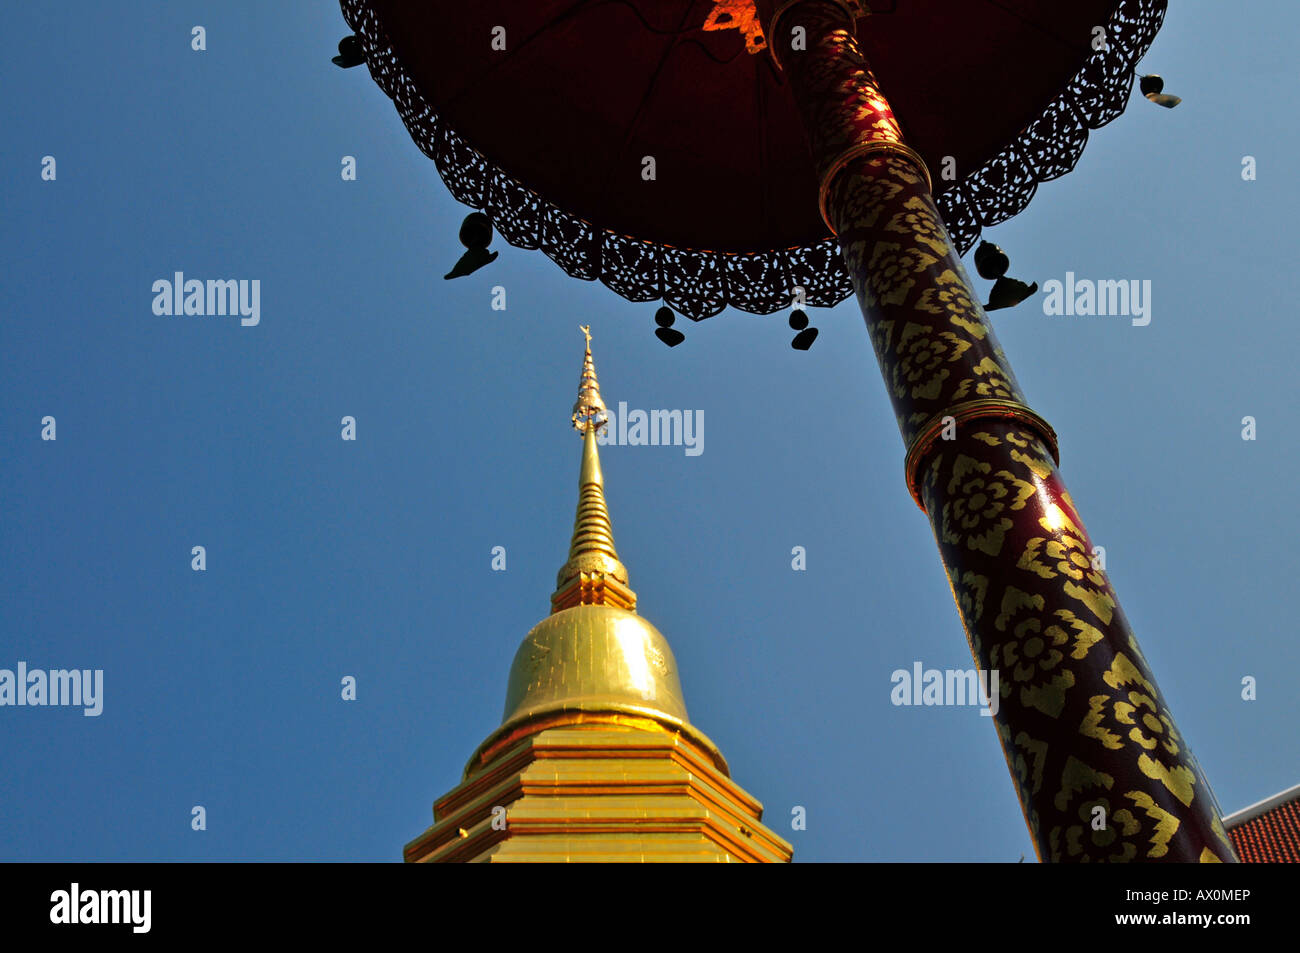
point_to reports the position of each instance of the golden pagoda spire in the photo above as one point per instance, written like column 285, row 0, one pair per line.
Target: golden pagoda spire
column 593, row 574
column 595, row 758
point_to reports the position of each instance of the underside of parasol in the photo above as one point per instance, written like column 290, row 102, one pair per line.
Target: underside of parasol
column 549, row 131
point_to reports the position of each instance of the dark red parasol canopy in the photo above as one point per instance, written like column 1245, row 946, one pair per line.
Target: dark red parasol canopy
column 551, row 134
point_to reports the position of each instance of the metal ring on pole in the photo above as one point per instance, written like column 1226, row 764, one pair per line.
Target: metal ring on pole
column 865, row 149
column 971, row 410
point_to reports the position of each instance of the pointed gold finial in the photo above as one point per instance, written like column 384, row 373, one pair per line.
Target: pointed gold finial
column 593, row 574
column 589, row 412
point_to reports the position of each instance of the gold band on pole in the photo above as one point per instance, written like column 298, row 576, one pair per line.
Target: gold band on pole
column 866, row 149
column 992, row 407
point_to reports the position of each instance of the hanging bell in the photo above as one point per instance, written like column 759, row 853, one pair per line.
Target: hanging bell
column 799, row 322
column 1153, row 88
column 350, row 53
column 476, row 230
column 991, row 261
column 664, row 317
column 475, row 234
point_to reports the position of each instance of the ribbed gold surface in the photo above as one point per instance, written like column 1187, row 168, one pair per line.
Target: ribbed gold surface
column 591, row 529
column 591, row 549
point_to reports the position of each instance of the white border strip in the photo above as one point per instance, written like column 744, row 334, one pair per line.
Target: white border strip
column 1255, row 810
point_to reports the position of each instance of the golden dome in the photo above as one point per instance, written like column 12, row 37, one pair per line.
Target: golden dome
column 591, row 658
column 594, row 664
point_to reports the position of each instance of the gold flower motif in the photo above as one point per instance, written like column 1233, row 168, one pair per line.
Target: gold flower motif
column 1033, row 456
column 890, row 271
column 989, row 381
column 950, row 296
column 969, row 590
column 919, row 223
column 1067, row 554
column 921, row 353
column 865, row 201
column 1027, row 758
column 870, row 106
column 977, row 503
column 1127, row 830
column 887, row 127
column 1033, row 655
column 1132, row 717
column 902, row 169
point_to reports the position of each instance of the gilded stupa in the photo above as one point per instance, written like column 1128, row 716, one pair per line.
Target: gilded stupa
column 595, row 759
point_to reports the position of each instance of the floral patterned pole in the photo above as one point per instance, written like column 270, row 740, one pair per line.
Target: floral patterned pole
column 1100, row 768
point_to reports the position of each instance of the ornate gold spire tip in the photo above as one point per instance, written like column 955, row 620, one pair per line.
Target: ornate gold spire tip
column 593, row 574
column 589, row 412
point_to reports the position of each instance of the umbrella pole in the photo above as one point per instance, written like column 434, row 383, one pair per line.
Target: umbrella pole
column 1100, row 767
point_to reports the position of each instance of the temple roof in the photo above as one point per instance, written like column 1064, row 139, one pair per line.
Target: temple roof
column 1269, row 831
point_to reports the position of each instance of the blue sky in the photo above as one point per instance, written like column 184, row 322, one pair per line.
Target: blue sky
column 372, row 558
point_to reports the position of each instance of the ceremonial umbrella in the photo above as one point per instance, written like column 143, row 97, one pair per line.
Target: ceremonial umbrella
column 714, row 153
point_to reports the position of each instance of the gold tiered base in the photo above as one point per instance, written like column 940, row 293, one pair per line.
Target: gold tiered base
column 614, row 789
